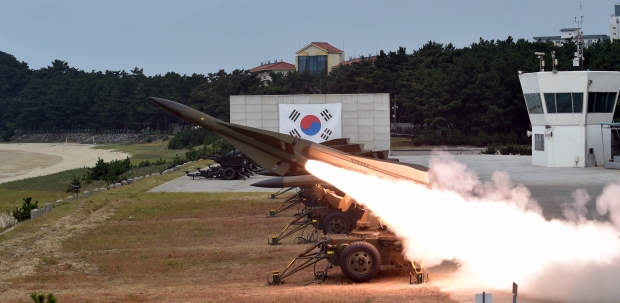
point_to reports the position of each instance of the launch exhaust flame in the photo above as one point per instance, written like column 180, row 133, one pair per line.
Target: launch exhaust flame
column 495, row 231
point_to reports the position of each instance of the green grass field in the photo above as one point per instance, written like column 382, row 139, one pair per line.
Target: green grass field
column 146, row 151
column 53, row 187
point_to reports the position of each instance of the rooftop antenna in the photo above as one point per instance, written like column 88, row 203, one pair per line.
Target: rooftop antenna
column 578, row 60
column 540, row 56
column 554, row 62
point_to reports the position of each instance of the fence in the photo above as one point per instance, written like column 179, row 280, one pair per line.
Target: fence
column 92, row 131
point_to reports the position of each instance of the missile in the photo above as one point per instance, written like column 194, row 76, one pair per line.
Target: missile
column 281, row 153
column 295, row 181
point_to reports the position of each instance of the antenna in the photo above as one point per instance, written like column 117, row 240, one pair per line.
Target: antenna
column 540, row 56
column 578, row 60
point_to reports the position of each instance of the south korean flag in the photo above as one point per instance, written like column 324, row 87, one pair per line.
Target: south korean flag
column 314, row 122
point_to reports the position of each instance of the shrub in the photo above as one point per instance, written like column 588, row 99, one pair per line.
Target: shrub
column 41, row 298
column 23, row 213
column 6, row 136
column 514, row 149
column 192, row 137
column 491, row 150
column 108, row 171
column 509, row 149
column 74, row 182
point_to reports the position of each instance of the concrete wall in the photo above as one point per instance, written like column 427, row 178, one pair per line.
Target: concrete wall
column 365, row 117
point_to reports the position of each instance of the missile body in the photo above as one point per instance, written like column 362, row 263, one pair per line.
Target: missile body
column 294, row 181
column 283, row 153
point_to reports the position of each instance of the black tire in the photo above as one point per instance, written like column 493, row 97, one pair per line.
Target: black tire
column 336, row 222
column 360, row 261
column 229, row 173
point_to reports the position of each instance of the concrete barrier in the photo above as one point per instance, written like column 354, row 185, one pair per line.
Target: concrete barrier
column 103, row 189
column 70, row 199
column 48, row 207
column 118, row 185
column 147, row 176
column 58, row 202
column 96, row 190
column 136, row 179
column 85, row 194
column 123, row 183
column 34, row 213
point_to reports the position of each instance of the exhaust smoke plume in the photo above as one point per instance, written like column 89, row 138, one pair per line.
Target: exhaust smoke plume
column 495, row 230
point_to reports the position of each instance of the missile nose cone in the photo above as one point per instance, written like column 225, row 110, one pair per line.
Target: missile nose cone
column 171, row 106
column 277, row 182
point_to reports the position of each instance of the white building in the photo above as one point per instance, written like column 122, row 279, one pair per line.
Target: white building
column 614, row 23
column 571, row 33
column 565, row 109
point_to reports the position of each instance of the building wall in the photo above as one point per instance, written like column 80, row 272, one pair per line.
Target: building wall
column 596, row 138
column 365, row 117
column 614, row 27
column 264, row 75
column 539, row 157
column 332, row 58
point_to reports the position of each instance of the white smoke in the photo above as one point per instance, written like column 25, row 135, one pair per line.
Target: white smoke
column 576, row 211
column 609, row 202
column 495, row 230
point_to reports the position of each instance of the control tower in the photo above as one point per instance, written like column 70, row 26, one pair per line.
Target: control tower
column 565, row 109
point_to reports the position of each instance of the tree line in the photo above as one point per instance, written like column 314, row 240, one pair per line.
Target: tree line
column 468, row 95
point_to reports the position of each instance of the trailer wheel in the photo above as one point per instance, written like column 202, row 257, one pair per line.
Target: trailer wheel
column 229, row 173
column 336, row 223
column 360, row 261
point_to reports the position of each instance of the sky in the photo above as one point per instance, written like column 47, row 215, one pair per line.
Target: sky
column 188, row 36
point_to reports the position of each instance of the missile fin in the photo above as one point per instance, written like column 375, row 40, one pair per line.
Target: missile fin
column 281, row 168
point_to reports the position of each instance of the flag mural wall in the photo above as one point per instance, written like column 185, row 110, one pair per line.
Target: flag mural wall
column 314, row 122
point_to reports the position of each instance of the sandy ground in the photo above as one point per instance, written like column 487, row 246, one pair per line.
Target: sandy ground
column 26, row 160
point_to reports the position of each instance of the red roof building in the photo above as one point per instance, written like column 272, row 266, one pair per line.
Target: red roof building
column 354, row 60
column 318, row 56
column 264, row 69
